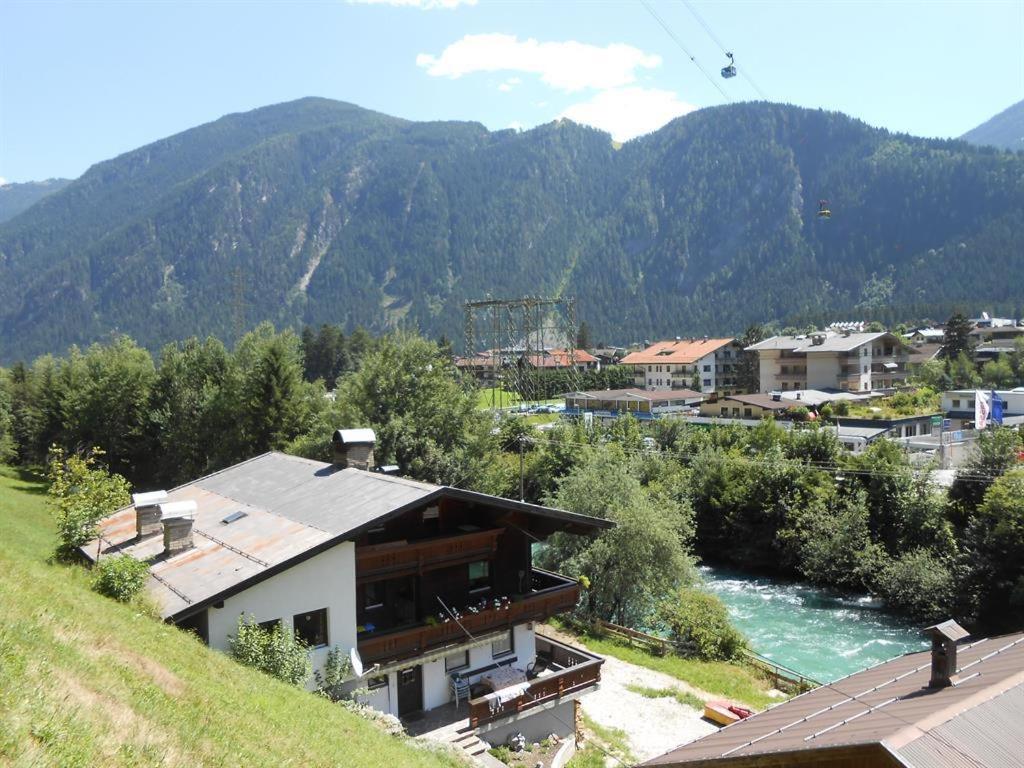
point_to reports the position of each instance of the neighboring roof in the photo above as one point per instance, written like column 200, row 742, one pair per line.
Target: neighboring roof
column 762, row 401
column 559, row 358
column 821, row 396
column 294, row 508
column 836, row 342
column 979, row 721
column 922, row 353
column 480, row 361
column 682, row 351
column 638, row 395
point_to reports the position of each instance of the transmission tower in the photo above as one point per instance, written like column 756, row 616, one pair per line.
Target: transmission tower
column 518, row 337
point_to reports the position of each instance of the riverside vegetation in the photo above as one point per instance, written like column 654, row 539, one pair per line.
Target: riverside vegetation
column 764, row 498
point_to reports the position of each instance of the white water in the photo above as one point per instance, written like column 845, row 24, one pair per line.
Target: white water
column 819, row 633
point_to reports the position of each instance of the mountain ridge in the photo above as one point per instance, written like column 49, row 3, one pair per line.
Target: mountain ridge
column 1005, row 130
column 318, row 211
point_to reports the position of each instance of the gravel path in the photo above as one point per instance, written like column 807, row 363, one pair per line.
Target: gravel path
column 653, row 726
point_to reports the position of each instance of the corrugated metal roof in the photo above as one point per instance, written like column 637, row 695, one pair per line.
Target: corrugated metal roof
column 888, row 703
column 989, row 735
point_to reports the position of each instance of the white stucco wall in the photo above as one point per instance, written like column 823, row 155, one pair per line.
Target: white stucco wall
column 326, row 581
column 768, row 368
column 822, row 370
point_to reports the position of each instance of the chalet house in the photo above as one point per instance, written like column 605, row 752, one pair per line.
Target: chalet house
column 675, row 363
column 856, row 362
column 432, row 587
column 641, row 404
column 959, row 704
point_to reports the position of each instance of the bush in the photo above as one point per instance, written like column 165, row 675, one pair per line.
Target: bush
column 697, row 621
column 920, row 583
column 277, row 651
column 82, row 493
column 120, row 577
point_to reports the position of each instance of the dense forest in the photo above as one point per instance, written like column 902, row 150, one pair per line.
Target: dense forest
column 788, row 501
column 317, row 212
column 15, row 198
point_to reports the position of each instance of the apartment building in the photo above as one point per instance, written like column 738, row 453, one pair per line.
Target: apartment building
column 855, row 362
column 685, row 363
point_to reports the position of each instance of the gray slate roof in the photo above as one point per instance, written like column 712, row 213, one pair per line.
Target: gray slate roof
column 834, row 343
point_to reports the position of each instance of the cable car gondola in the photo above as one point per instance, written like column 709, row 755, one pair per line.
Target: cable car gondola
column 729, row 71
column 823, row 210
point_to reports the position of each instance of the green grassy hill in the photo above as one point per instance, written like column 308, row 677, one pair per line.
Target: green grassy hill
column 85, row 681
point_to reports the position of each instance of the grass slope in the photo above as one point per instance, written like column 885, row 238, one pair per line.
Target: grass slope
column 86, row 681
column 719, row 678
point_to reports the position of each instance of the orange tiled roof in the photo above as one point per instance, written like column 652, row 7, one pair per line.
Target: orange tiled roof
column 559, row 358
column 685, row 351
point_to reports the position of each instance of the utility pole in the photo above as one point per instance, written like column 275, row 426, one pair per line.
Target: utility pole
column 522, row 446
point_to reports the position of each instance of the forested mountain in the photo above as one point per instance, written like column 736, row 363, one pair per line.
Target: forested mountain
column 15, row 198
column 1005, row 130
column 318, row 211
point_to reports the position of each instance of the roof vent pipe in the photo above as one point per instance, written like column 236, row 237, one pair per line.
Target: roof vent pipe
column 944, row 637
column 354, row 448
column 147, row 512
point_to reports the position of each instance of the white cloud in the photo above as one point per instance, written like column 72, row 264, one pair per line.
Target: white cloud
column 426, row 5
column 626, row 113
column 2, row 181
column 567, row 66
column 509, row 84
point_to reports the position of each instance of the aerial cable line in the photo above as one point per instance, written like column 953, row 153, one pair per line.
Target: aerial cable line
column 726, row 51
column 683, row 48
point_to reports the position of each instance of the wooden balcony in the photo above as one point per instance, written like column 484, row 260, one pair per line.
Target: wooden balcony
column 564, row 670
column 551, row 594
column 403, row 558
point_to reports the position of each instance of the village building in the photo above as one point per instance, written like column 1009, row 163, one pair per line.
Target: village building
column 959, row 704
column 431, row 589
column 958, row 406
column 639, row 403
column 707, row 365
column 857, row 362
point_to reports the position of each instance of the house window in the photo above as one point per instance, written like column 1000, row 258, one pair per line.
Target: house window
column 956, row 404
column 707, row 369
column 725, row 411
column 271, row 625
column 479, row 576
column 707, row 382
column 311, row 627
column 502, row 646
column 456, row 661
column 373, row 595
column 747, row 412
column 375, row 683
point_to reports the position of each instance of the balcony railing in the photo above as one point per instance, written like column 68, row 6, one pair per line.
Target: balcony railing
column 400, row 558
column 550, row 595
column 565, row 670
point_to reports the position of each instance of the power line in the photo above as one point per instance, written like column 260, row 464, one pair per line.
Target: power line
column 682, row 47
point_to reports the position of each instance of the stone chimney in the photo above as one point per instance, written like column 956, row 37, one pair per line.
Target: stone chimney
column 944, row 637
column 354, row 448
column 177, row 518
column 147, row 512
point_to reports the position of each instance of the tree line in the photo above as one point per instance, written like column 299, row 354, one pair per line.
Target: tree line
column 788, row 501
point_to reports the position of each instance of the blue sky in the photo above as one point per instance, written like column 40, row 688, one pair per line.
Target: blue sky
column 82, row 82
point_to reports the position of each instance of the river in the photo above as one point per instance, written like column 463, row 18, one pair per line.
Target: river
column 822, row 634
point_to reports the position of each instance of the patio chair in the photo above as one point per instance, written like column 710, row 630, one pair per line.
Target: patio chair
column 459, row 687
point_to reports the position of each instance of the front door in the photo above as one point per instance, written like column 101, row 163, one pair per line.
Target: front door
column 410, row 691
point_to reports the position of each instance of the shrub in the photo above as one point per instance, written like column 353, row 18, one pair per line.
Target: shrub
column 277, row 651
column 120, row 577
column 697, row 621
column 841, row 407
column 920, row 583
column 82, row 493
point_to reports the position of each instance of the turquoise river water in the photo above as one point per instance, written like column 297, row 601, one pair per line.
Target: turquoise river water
column 821, row 634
